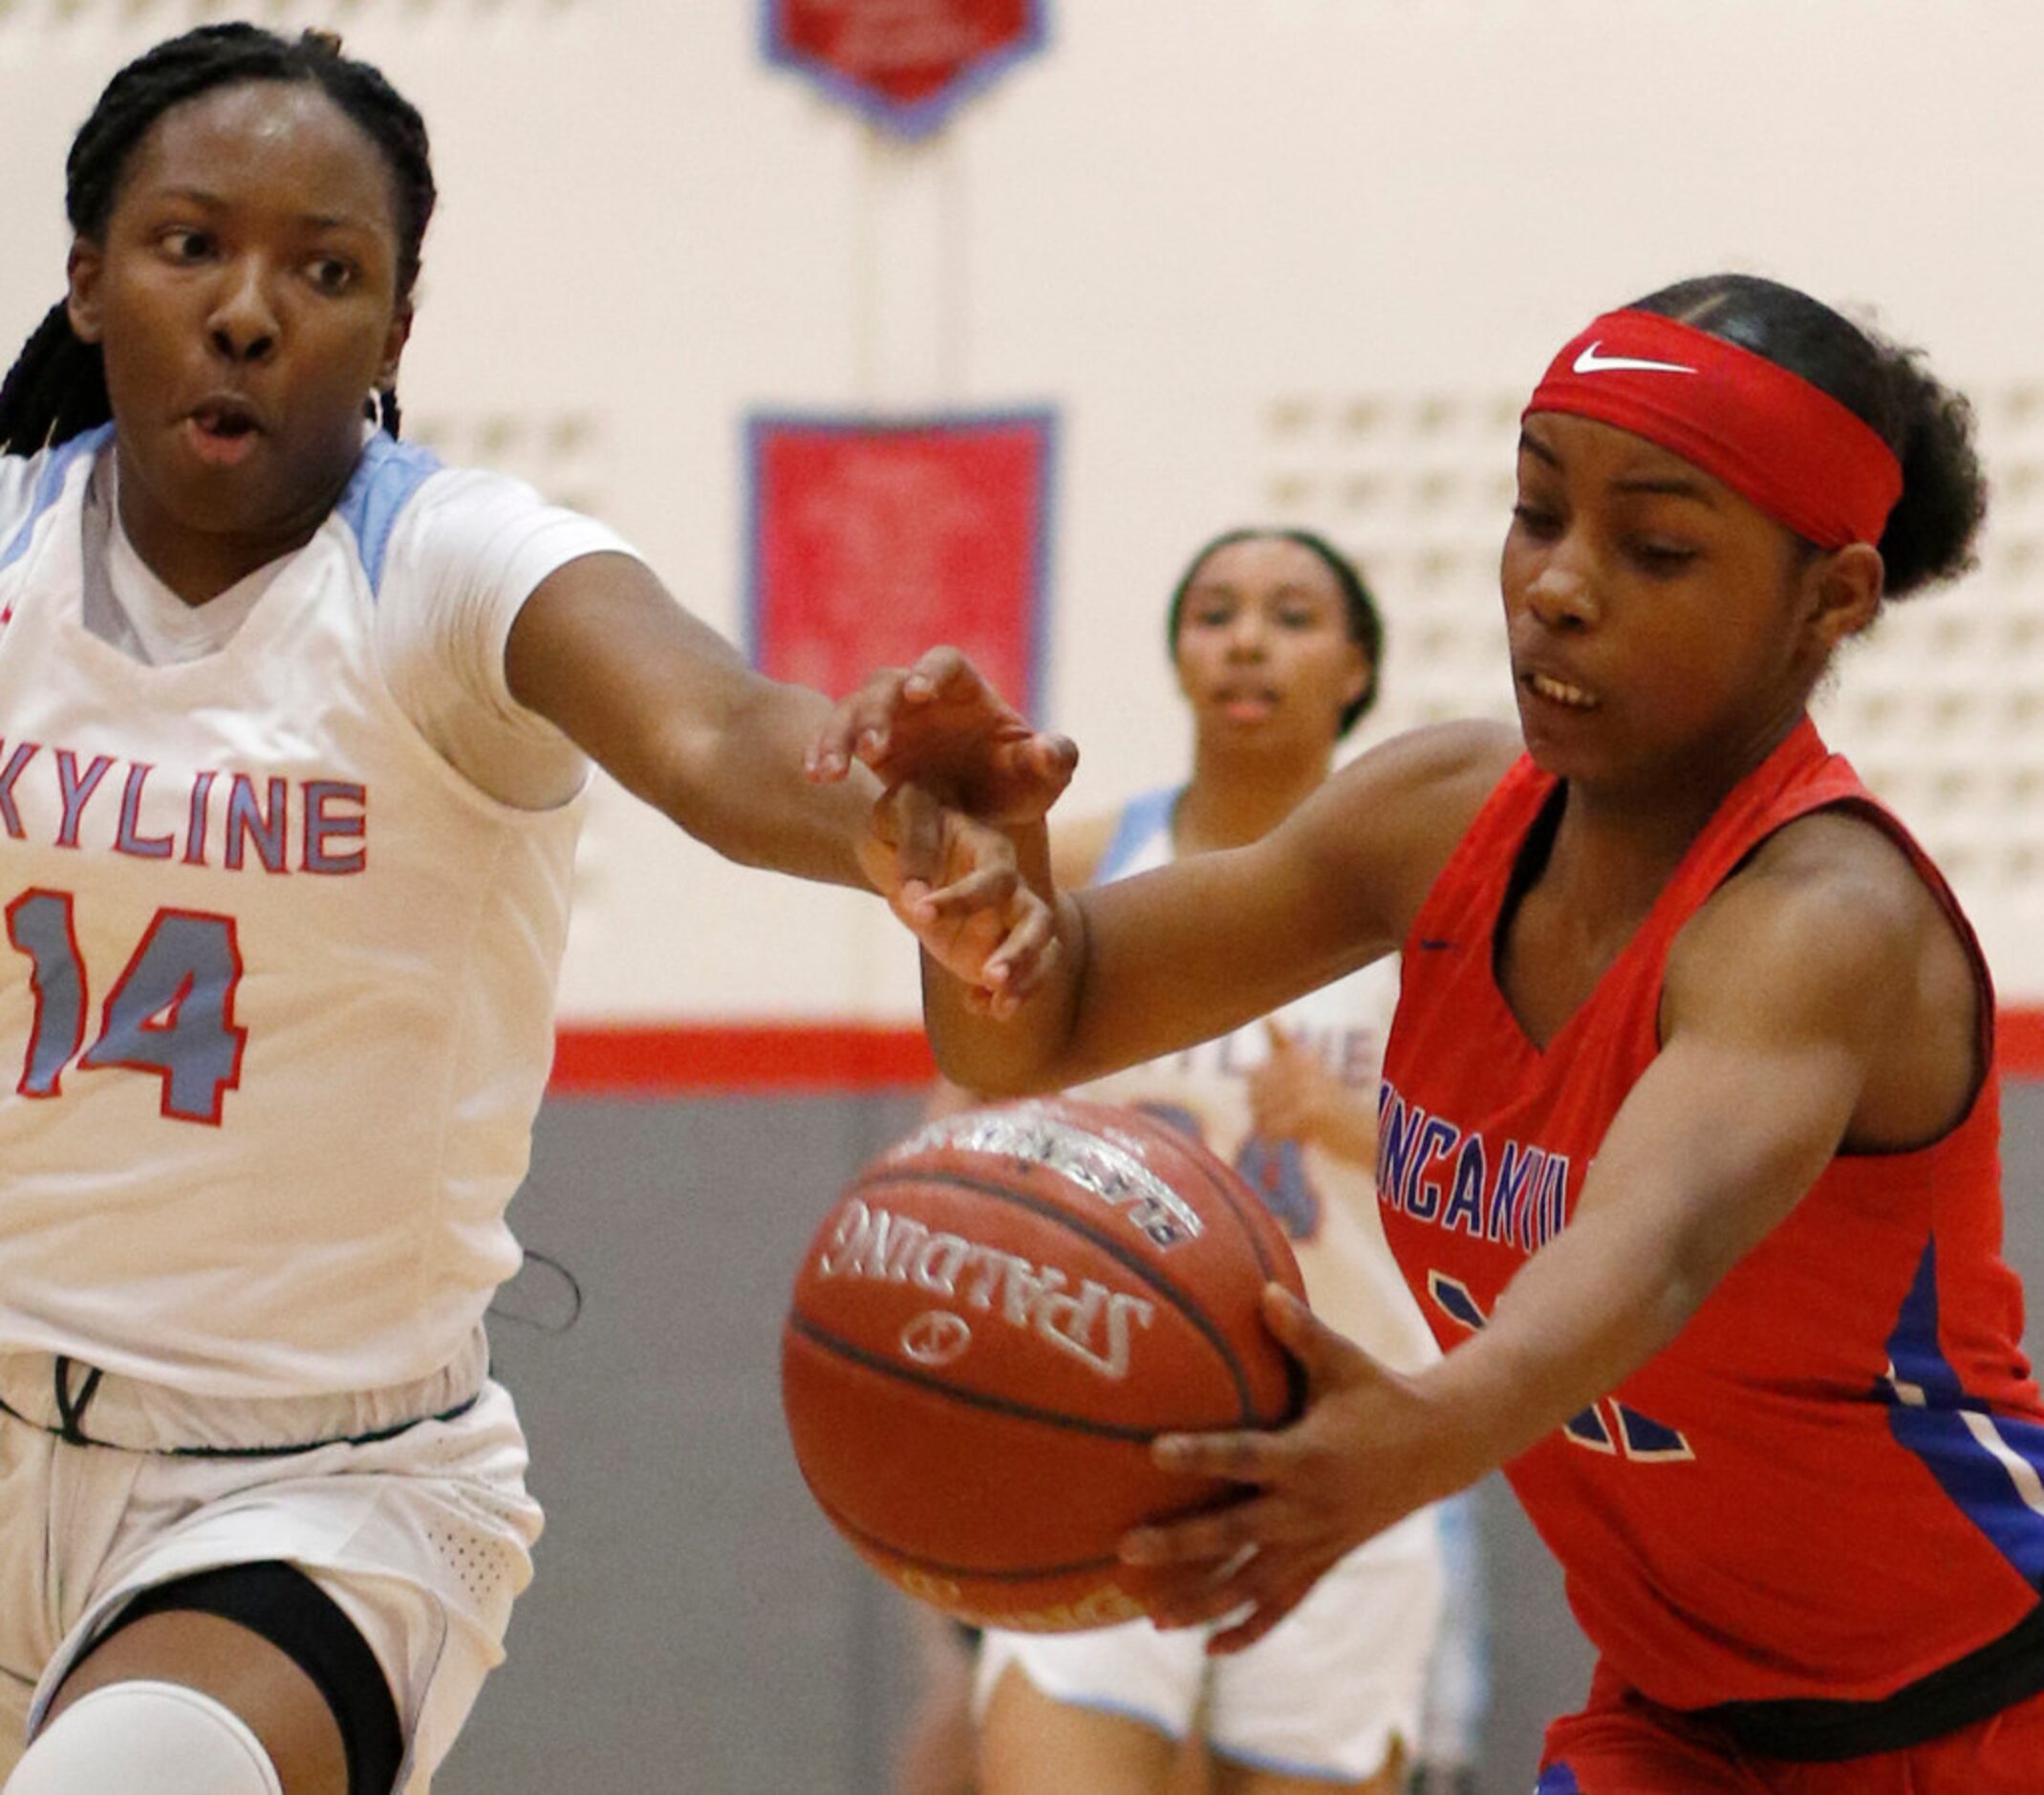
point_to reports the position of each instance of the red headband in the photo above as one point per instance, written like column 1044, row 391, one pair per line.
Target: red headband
column 1769, row 435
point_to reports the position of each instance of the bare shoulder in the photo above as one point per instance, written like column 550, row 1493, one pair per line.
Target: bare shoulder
column 1830, row 906
column 1077, row 847
column 1391, row 817
column 1425, row 785
column 1469, row 752
column 1842, row 868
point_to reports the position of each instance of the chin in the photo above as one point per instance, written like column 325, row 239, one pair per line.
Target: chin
column 1564, row 753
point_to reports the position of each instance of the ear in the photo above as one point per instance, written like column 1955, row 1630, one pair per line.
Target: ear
column 83, row 268
column 399, row 334
column 1363, row 677
column 1843, row 593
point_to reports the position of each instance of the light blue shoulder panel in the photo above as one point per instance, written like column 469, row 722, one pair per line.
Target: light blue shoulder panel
column 1141, row 817
column 61, row 460
column 385, row 480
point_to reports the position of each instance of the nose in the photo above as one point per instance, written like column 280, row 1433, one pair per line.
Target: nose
column 1560, row 594
column 243, row 324
column 1247, row 635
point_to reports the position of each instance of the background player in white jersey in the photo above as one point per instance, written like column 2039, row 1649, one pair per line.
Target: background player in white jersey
column 1275, row 645
column 293, row 724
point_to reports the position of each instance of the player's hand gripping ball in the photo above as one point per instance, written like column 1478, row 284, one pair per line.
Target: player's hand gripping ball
column 990, row 1328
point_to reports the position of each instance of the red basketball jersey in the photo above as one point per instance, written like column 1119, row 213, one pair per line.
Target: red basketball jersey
column 1832, row 1483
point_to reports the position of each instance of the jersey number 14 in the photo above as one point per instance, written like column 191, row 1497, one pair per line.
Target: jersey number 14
column 170, row 1012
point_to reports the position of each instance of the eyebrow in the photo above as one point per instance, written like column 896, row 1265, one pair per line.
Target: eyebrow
column 1670, row 486
column 1227, row 588
column 214, row 201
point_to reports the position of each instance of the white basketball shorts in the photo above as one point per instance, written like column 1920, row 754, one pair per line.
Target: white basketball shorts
column 421, row 1539
column 1324, row 1694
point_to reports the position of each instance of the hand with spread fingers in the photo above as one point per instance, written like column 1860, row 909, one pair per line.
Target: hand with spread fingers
column 941, row 724
column 956, row 884
column 1369, row 1450
column 1294, row 1095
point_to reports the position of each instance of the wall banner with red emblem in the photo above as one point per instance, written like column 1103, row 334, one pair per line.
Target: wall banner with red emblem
column 872, row 541
column 904, row 63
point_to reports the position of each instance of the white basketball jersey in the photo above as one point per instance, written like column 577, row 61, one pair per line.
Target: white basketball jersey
column 276, row 992
column 1327, row 1206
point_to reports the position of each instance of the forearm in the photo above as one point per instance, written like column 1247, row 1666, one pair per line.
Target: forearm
column 1021, row 1052
column 1674, row 1201
column 1586, row 1311
column 671, row 710
column 737, row 785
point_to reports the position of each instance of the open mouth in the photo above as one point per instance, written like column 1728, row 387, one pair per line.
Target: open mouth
column 223, row 431
column 223, row 418
column 1245, row 704
column 1559, row 692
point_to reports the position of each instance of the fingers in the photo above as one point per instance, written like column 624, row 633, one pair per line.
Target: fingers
column 1326, row 1357
column 1251, row 1590
column 862, row 726
column 1018, row 968
column 1244, row 1456
column 984, row 925
column 1267, row 1611
column 944, row 674
column 940, row 676
column 912, row 822
column 855, row 724
column 1211, row 1538
column 1050, row 760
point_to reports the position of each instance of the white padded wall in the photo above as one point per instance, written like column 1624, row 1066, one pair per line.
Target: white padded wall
column 1293, row 258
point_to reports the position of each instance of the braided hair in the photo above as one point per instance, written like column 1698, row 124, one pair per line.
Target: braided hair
column 57, row 385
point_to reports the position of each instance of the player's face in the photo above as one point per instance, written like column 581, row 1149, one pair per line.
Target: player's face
column 1263, row 650
column 245, row 298
column 1657, row 624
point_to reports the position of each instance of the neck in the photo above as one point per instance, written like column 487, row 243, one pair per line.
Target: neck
column 1617, row 848
column 1232, row 800
column 198, row 565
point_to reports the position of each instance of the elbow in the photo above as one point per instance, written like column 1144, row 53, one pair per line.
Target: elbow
column 991, row 1076
column 1690, row 1272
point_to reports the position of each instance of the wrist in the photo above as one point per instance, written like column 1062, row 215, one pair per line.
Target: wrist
column 1478, row 1411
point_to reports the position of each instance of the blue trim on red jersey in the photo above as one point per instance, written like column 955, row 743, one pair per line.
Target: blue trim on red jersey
column 1931, row 1415
column 51, row 484
column 382, row 484
column 1558, row 1778
column 1141, row 817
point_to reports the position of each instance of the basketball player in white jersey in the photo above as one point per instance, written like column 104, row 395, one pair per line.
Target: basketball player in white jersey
column 292, row 725
column 1275, row 645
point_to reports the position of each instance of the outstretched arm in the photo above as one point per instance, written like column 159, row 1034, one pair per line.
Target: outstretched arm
column 1788, row 1003
column 1150, row 965
column 671, row 711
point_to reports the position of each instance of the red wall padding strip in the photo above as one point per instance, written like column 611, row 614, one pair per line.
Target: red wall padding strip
column 822, row 1056
column 739, row 1056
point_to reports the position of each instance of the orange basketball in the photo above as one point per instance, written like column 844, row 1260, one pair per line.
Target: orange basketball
column 990, row 1328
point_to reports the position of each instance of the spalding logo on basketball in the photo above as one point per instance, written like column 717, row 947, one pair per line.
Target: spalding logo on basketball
column 990, row 1328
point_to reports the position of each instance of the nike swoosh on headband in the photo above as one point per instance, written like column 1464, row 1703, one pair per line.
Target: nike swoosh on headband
column 1589, row 361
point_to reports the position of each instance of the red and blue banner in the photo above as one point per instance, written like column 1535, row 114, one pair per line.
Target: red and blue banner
column 904, row 63
column 872, row 541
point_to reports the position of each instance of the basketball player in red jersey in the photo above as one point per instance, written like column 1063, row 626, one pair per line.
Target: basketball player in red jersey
column 1688, row 1144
